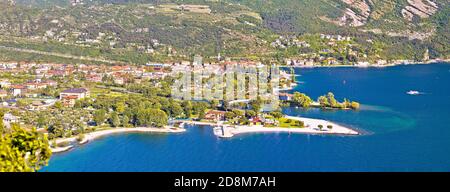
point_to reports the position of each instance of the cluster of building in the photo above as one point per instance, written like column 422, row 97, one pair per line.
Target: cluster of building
column 9, row 119
column 335, row 37
column 216, row 116
column 285, row 42
column 290, row 41
column 28, row 89
column 76, row 2
column 45, row 75
column 68, row 97
column 117, row 74
column 48, row 74
column 93, row 73
column 308, row 62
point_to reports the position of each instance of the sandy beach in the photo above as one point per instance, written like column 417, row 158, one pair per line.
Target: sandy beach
column 61, row 149
column 97, row 134
column 311, row 127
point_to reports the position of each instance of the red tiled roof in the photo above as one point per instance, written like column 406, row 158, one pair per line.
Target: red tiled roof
column 70, row 97
column 18, row 87
column 216, row 112
column 286, row 94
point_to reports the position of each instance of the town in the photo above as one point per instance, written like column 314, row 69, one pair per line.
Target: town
column 229, row 85
column 65, row 100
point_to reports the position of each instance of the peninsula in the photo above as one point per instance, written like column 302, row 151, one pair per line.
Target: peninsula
column 312, row 126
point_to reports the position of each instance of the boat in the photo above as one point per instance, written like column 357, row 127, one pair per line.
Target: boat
column 411, row 92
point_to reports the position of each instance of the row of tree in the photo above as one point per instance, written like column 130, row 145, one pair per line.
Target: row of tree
column 328, row 101
column 325, row 101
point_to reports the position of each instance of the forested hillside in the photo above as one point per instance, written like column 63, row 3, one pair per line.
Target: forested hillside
column 136, row 31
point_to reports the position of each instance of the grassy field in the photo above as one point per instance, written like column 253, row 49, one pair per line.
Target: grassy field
column 289, row 123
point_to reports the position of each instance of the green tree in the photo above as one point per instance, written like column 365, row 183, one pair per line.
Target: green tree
column 2, row 129
column 229, row 115
column 41, row 120
column 120, row 107
column 214, row 104
column 302, row 100
column 114, row 120
column 201, row 114
column 165, row 105
column 320, row 127
column 99, row 116
column 22, row 103
column 176, row 109
column 355, row 105
column 244, row 121
column 152, row 117
column 23, row 151
column 323, row 101
column 238, row 113
column 55, row 130
column 300, row 124
column 347, row 103
column 125, row 121
column 276, row 114
column 250, row 113
column 331, row 100
column 78, row 104
column 58, row 105
column 200, row 107
column 256, row 104
column 159, row 117
column 187, row 107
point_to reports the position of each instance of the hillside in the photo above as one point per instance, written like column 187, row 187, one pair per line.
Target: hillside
column 136, row 31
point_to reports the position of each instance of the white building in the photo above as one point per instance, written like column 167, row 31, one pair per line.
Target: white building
column 79, row 93
column 5, row 83
column 9, row 118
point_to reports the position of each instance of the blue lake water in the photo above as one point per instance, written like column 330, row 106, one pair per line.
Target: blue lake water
column 404, row 132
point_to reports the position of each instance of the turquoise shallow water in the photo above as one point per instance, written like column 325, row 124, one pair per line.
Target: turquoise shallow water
column 404, row 132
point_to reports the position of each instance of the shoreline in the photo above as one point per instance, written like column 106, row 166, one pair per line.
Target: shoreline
column 311, row 127
column 98, row 134
column 430, row 62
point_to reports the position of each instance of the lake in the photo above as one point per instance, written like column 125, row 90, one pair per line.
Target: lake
column 402, row 132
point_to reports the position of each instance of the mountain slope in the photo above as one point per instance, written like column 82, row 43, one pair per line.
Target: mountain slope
column 141, row 30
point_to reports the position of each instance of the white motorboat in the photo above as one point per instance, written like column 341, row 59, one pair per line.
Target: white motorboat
column 411, row 92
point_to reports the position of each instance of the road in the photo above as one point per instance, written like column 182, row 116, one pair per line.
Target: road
column 68, row 56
